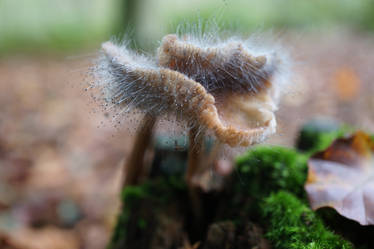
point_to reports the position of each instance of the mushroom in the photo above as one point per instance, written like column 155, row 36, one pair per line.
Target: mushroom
column 223, row 90
column 223, row 66
column 241, row 83
column 245, row 97
column 130, row 81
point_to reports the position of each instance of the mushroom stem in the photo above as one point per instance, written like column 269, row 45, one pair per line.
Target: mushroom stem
column 196, row 139
column 134, row 165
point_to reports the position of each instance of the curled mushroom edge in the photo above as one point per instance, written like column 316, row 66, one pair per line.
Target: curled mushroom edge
column 235, row 117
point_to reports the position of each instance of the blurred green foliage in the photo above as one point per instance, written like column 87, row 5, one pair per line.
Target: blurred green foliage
column 248, row 15
column 318, row 134
column 52, row 25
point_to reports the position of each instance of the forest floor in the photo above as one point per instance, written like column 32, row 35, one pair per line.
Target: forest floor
column 61, row 157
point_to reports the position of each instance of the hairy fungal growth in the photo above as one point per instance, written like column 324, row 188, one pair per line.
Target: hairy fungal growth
column 158, row 91
column 162, row 90
column 221, row 89
column 221, row 67
column 239, row 77
column 244, row 81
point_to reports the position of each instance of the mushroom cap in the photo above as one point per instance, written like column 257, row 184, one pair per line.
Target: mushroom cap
column 224, row 66
column 241, row 82
column 236, row 119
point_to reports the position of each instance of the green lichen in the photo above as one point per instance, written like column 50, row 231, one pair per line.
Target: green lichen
column 291, row 224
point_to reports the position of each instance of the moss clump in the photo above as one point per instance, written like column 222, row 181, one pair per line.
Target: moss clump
column 291, row 224
column 132, row 195
column 264, row 180
column 317, row 135
column 260, row 172
column 137, row 220
column 260, row 193
column 266, row 169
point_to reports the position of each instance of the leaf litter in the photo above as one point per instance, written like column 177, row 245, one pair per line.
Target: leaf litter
column 342, row 177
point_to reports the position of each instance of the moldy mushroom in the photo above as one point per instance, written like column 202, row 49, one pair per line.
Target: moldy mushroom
column 223, row 90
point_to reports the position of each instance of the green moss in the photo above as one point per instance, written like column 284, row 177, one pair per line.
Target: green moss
column 260, row 172
column 132, row 196
column 266, row 169
column 291, row 224
column 260, row 192
column 317, row 135
column 265, row 178
column 135, row 220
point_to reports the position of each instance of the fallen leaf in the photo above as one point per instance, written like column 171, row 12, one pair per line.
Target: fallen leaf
column 342, row 177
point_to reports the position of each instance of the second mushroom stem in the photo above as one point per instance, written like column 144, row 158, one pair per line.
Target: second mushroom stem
column 134, row 165
column 196, row 141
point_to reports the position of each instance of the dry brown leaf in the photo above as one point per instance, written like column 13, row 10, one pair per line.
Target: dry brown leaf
column 342, row 177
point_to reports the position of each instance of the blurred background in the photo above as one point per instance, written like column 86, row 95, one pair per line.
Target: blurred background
column 60, row 160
